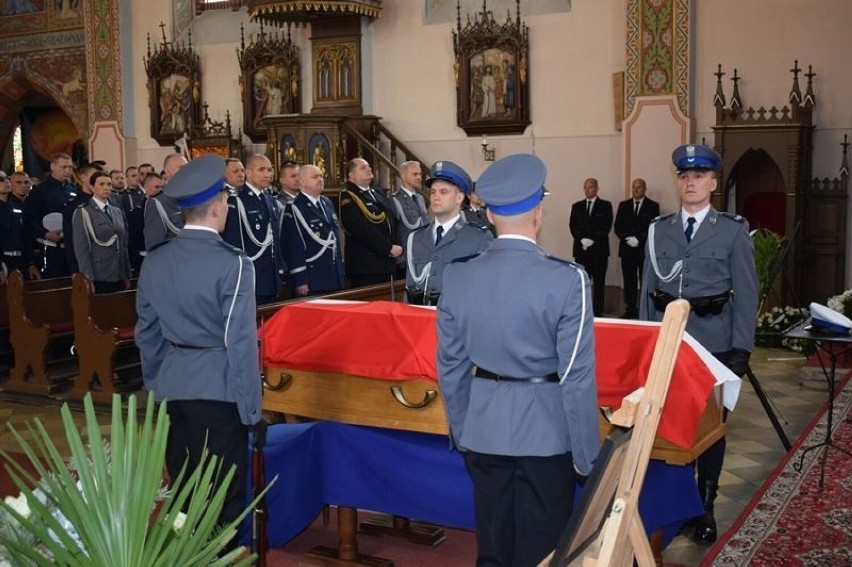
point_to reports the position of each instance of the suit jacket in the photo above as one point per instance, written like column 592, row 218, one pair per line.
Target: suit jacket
column 596, row 227
column 629, row 224
column 427, row 262
column 156, row 230
column 719, row 257
column 534, row 318
column 97, row 262
column 370, row 227
column 49, row 196
column 261, row 219
column 196, row 332
column 311, row 245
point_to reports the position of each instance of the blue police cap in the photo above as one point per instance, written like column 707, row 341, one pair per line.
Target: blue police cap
column 696, row 156
column 197, row 182
column 452, row 172
column 513, row 185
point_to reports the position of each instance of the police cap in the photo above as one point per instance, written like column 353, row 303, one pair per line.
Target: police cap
column 452, row 172
column 696, row 156
column 197, row 182
column 513, row 185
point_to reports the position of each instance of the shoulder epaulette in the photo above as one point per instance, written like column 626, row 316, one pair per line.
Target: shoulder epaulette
column 732, row 216
column 562, row 261
column 662, row 217
column 159, row 245
column 230, row 247
column 422, row 227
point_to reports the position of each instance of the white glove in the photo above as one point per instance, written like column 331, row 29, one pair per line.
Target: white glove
column 632, row 241
column 586, row 242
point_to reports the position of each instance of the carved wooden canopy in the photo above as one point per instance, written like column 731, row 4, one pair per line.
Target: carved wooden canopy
column 174, row 88
column 270, row 79
column 279, row 11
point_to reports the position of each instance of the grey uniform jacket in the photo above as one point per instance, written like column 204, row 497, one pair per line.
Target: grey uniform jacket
column 426, row 262
column 196, row 332
column 410, row 214
column 518, row 312
column 719, row 257
column 101, row 263
column 156, row 230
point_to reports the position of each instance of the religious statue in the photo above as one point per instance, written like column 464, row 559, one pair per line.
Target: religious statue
column 319, row 158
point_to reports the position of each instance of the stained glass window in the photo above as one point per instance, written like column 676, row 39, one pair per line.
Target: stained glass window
column 18, row 149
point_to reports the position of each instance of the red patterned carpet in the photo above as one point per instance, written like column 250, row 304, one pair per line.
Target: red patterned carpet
column 791, row 520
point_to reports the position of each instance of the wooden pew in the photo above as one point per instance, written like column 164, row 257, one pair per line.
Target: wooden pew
column 39, row 315
column 103, row 324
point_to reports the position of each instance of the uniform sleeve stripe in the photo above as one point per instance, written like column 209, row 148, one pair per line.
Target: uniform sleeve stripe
column 580, row 328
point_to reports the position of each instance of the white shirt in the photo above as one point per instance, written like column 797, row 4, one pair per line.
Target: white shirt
column 699, row 218
column 447, row 226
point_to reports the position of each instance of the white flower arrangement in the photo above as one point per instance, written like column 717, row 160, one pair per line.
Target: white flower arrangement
column 772, row 323
column 842, row 303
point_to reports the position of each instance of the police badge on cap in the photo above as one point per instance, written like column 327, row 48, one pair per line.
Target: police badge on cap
column 696, row 156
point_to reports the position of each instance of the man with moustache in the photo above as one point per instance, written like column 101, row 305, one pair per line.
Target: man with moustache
column 311, row 238
column 252, row 226
column 368, row 220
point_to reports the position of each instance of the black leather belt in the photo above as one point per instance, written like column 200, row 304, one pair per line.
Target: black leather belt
column 701, row 306
column 418, row 297
column 194, row 347
column 488, row 375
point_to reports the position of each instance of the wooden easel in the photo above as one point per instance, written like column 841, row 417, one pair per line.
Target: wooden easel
column 621, row 535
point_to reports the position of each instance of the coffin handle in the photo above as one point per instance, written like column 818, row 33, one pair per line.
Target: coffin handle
column 284, row 381
column 399, row 396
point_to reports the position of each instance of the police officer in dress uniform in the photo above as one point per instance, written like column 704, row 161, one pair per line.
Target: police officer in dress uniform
column 311, row 238
column 450, row 237
column 13, row 253
column 253, row 226
column 409, row 206
column 49, row 196
column 707, row 257
column 197, row 335
column 516, row 365
column 100, row 239
column 163, row 217
column 366, row 216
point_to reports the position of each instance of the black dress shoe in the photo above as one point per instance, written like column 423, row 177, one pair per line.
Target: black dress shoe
column 705, row 529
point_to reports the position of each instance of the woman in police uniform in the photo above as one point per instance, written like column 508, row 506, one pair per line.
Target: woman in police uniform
column 707, row 257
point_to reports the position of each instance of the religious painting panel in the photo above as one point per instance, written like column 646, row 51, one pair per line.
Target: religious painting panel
column 336, row 76
column 270, row 77
column 319, row 152
column 174, row 90
column 492, row 75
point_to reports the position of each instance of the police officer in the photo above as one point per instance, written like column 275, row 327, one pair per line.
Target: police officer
column 197, row 335
column 311, row 238
column 707, row 257
column 253, row 226
column 516, row 365
column 13, row 254
column 409, row 205
column 432, row 247
column 163, row 218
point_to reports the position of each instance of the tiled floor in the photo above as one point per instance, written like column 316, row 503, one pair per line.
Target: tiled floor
column 753, row 446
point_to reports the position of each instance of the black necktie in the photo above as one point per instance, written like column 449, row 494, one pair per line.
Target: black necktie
column 439, row 234
column 636, row 207
column 690, row 227
column 107, row 213
column 589, row 207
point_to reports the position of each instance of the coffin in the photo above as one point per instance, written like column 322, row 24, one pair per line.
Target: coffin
column 374, row 364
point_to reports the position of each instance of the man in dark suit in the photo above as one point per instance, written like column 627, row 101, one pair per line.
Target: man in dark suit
column 197, row 334
column 590, row 223
column 631, row 226
column 310, row 238
column 253, row 226
column 367, row 217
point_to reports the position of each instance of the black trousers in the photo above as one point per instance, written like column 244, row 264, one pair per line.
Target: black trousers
column 522, row 505
column 709, row 463
column 631, row 270
column 108, row 287
column 595, row 266
column 218, row 423
column 360, row 280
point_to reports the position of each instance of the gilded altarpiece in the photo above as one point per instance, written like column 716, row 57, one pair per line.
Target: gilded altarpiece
column 337, row 83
